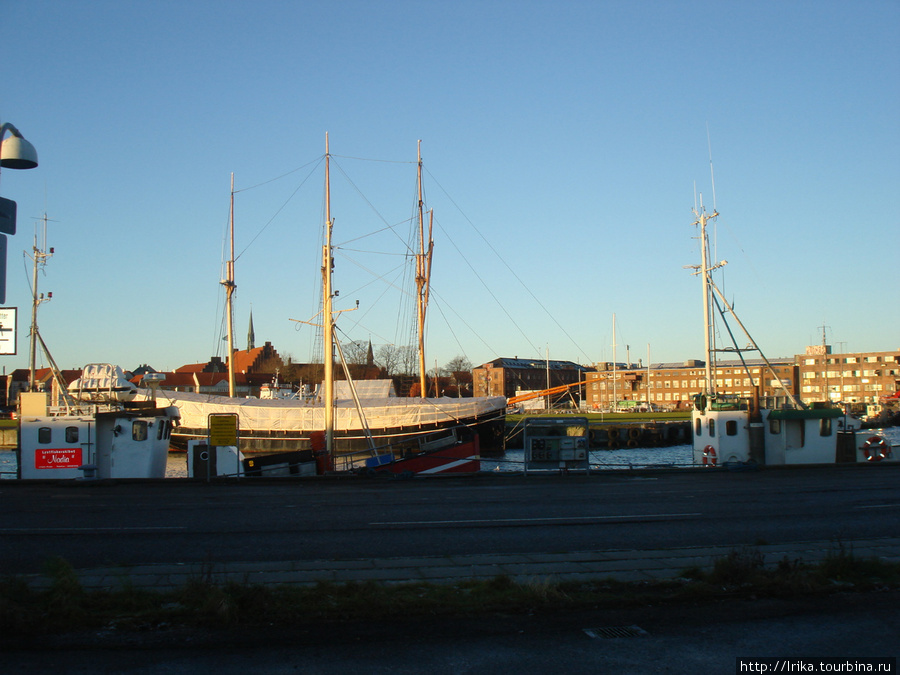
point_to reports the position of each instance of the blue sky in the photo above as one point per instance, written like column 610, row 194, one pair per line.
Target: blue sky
column 562, row 145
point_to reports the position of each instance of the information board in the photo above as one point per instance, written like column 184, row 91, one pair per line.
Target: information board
column 223, row 429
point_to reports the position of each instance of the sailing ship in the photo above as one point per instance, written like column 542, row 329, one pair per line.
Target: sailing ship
column 778, row 430
column 365, row 425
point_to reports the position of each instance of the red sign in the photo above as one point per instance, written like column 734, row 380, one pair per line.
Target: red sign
column 57, row 458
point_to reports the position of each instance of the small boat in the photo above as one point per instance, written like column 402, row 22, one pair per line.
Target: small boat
column 97, row 431
column 780, row 430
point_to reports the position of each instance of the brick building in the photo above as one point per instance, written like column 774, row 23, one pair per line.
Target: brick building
column 672, row 386
column 508, row 377
column 865, row 378
column 853, row 377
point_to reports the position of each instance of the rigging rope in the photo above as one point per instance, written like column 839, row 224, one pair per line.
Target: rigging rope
column 280, row 209
column 516, row 276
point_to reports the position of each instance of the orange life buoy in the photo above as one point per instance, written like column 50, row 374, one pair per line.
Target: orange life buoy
column 876, row 449
column 709, row 455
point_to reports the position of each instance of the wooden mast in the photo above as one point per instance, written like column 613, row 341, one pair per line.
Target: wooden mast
column 230, row 287
column 327, row 317
column 423, row 276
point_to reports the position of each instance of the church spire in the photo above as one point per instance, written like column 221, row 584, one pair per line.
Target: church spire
column 251, row 336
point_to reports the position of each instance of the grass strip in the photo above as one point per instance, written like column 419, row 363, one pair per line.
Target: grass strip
column 66, row 606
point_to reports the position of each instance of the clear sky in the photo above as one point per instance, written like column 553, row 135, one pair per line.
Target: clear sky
column 563, row 145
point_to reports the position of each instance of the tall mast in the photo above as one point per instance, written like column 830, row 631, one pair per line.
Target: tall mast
column 327, row 317
column 230, row 287
column 39, row 257
column 705, row 269
column 423, row 275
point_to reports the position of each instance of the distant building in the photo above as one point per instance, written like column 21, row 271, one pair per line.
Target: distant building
column 508, row 377
column 818, row 375
column 672, row 386
column 853, row 377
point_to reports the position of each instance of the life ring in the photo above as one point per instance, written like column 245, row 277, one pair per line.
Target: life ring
column 709, row 455
column 700, row 403
column 876, row 449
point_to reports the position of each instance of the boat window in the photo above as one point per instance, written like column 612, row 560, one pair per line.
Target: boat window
column 825, row 427
column 731, row 428
column 774, row 426
column 139, row 430
column 44, row 435
column 712, row 428
column 160, row 430
column 71, row 434
column 698, row 427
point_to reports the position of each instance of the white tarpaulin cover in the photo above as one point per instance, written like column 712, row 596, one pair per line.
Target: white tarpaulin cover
column 384, row 412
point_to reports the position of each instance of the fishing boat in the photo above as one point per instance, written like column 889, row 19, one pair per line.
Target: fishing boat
column 732, row 430
column 365, row 424
column 93, row 430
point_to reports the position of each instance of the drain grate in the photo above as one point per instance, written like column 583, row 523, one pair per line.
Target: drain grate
column 611, row 632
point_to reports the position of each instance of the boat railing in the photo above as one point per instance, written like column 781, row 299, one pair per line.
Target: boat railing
column 81, row 408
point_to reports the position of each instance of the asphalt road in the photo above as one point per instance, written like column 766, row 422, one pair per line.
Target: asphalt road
column 122, row 523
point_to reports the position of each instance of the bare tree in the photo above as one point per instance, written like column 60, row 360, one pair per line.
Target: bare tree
column 409, row 360
column 459, row 372
column 356, row 352
column 387, row 357
column 458, row 364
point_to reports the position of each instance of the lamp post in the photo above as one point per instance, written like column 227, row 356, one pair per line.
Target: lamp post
column 15, row 153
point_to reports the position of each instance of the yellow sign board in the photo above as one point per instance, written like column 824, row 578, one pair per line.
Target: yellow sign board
column 223, row 429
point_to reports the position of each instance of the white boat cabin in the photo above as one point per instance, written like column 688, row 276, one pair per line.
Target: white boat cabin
column 730, row 432
column 106, row 438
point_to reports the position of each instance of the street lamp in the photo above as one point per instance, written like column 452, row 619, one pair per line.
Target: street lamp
column 15, row 153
